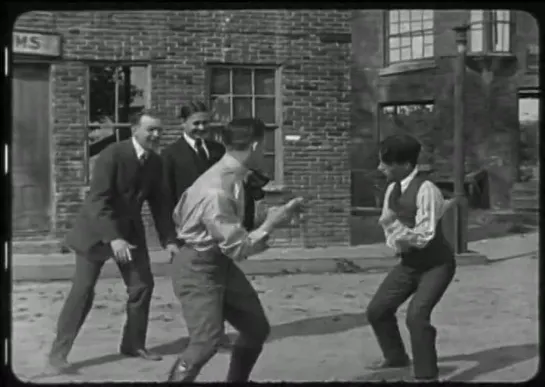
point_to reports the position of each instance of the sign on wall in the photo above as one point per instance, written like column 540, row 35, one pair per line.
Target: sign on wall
column 35, row 43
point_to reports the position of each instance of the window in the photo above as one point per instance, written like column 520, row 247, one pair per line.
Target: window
column 490, row 30
column 528, row 103
column 115, row 93
column 410, row 35
column 244, row 91
column 532, row 57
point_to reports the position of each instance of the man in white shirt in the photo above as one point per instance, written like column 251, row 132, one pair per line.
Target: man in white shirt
column 411, row 219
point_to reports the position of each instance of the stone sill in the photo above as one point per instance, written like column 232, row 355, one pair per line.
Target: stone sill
column 407, row 67
column 275, row 188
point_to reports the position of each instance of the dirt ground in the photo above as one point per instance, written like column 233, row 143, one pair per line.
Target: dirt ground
column 487, row 329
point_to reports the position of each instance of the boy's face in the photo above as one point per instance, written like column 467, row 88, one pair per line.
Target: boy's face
column 393, row 171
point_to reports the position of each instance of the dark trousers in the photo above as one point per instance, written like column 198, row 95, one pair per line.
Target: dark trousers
column 213, row 289
column 139, row 281
column 428, row 286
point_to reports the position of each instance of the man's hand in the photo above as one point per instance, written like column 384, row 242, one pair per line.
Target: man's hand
column 172, row 249
column 122, row 251
column 388, row 217
column 281, row 214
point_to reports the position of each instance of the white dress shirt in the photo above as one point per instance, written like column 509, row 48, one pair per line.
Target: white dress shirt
column 193, row 145
column 430, row 208
column 138, row 148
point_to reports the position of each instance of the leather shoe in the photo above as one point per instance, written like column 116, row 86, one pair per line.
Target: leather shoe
column 143, row 353
column 58, row 366
column 180, row 372
column 387, row 364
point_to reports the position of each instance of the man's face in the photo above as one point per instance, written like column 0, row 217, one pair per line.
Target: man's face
column 196, row 125
column 256, row 159
column 148, row 132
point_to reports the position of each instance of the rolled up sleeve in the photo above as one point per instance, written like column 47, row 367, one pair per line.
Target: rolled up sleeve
column 225, row 226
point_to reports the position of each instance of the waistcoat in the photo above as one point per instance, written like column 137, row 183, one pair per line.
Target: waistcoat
column 438, row 250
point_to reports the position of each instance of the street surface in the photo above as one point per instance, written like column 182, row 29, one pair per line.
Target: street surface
column 487, row 328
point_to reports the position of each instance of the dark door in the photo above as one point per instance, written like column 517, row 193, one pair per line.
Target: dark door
column 30, row 150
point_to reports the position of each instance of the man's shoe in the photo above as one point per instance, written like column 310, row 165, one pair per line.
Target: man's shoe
column 142, row 353
column 388, row 364
column 58, row 366
column 180, row 372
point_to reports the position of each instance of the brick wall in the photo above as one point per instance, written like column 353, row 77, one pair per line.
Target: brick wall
column 495, row 149
column 177, row 45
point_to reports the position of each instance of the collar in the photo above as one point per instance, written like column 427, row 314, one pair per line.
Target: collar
column 235, row 166
column 192, row 144
column 138, row 148
column 407, row 180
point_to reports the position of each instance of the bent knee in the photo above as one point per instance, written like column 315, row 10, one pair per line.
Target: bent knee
column 375, row 313
column 257, row 335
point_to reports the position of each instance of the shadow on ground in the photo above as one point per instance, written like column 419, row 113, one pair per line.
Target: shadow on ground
column 316, row 326
column 487, row 361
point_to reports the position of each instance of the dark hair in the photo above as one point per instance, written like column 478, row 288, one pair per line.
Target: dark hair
column 400, row 149
column 240, row 133
column 136, row 117
column 192, row 107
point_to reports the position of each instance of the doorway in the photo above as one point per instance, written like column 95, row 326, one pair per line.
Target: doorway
column 31, row 163
column 528, row 106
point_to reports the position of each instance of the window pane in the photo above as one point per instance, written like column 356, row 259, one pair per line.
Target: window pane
column 406, row 53
column 406, row 41
column 220, row 81
column 221, row 108
column 428, row 14
column 417, row 47
column 264, row 82
column 394, row 42
column 268, row 166
column 269, row 141
column 242, row 107
column 404, row 27
column 102, row 94
column 428, row 39
column 416, row 26
column 428, row 51
column 242, row 82
column 427, row 25
column 394, row 55
column 476, row 40
column 132, row 90
column 501, row 37
column 476, row 15
column 416, row 14
column 394, row 28
column 502, row 15
column 265, row 109
column 404, row 15
column 393, row 16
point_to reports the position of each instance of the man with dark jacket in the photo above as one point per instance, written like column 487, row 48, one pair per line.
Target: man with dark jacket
column 110, row 225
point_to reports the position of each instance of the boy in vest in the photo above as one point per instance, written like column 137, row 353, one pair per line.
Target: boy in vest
column 411, row 219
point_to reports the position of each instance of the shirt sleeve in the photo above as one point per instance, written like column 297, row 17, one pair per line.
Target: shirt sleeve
column 225, row 226
column 430, row 203
column 387, row 226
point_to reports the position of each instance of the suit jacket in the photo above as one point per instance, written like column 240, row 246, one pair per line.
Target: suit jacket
column 112, row 208
column 182, row 166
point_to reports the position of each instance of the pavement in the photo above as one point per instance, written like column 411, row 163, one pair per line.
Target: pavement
column 487, row 327
column 364, row 258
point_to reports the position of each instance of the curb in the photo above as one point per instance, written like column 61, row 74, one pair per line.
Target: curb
column 268, row 267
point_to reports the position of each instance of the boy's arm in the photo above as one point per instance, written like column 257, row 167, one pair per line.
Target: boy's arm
column 430, row 205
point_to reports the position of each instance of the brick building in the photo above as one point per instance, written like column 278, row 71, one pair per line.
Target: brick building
column 403, row 80
column 78, row 75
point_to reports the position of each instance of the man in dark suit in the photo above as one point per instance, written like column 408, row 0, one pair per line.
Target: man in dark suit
column 110, row 225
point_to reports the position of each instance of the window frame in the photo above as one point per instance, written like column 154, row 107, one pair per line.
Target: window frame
column 423, row 32
column 87, row 108
column 487, row 29
column 277, row 182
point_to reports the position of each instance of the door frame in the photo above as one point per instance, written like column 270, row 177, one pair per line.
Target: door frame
column 33, row 60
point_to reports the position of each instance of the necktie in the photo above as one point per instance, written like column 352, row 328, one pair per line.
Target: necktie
column 200, row 150
column 393, row 200
column 143, row 158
